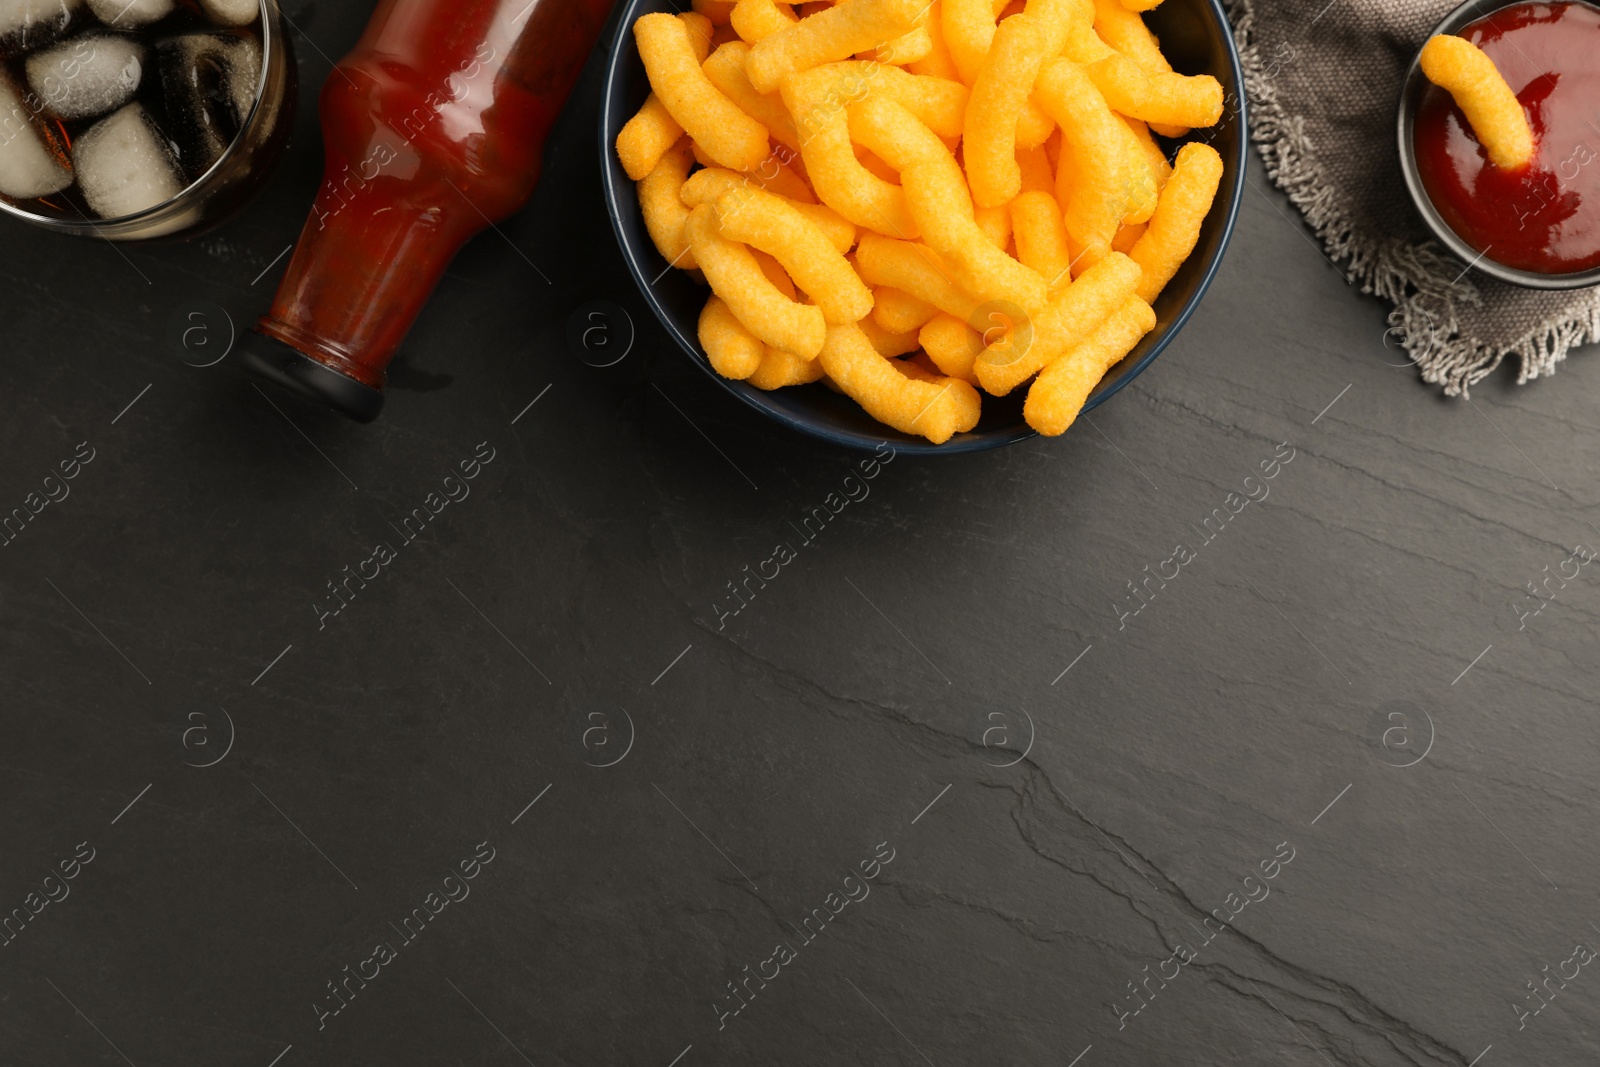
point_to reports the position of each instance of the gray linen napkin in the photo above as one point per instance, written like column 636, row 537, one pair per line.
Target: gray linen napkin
column 1323, row 81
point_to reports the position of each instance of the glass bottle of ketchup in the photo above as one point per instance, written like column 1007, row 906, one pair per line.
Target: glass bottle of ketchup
column 434, row 127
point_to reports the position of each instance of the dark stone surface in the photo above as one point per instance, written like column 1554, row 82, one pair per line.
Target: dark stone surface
column 567, row 610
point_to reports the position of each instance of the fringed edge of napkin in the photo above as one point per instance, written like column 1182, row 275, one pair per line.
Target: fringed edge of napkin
column 1423, row 282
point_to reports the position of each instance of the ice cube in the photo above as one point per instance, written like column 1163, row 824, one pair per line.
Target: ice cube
column 33, row 161
column 87, row 76
column 231, row 12
column 125, row 165
column 209, row 82
column 29, row 24
column 128, row 14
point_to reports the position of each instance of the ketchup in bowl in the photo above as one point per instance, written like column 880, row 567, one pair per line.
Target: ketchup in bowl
column 1544, row 218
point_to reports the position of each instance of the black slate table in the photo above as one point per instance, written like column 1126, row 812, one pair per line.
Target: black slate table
column 1227, row 729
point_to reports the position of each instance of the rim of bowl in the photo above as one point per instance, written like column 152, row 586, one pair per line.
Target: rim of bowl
column 1411, row 90
column 269, row 32
column 623, row 49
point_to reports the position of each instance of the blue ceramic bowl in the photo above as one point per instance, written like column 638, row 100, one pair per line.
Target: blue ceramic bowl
column 1197, row 40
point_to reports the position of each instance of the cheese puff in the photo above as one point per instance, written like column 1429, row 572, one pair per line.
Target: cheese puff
column 837, row 176
column 989, row 139
column 771, row 175
column 1126, row 32
column 1059, row 393
column 724, row 68
column 940, row 104
column 770, row 223
column 995, row 222
column 700, row 29
column 1160, row 168
column 952, row 345
column 779, row 369
column 757, row 20
column 1034, row 166
column 938, row 199
column 1082, row 44
column 645, row 137
column 1167, row 99
column 936, row 410
column 707, row 184
column 937, row 63
column 1069, row 319
column 968, row 28
column 915, row 269
column 737, row 277
column 898, row 311
column 663, row 208
column 1141, row 5
column 1000, row 116
column 1110, row 177
column 1128, row 236
column 840, row 32
column 1175, row 227
column 720, row 12
column 1492, row 109
column 723, row 35
column 734, row 351
column 905, row 49
column 1042, row 238
column 727, row 134
column 887, row 344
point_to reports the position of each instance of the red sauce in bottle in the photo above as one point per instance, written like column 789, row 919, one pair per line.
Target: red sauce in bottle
column 434, row 127
column 1544, row 218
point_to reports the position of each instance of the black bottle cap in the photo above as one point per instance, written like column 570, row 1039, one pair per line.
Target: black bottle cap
column 272, row 360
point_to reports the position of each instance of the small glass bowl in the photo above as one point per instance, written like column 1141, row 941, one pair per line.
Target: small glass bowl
column 1415, row 85
column 231, row 181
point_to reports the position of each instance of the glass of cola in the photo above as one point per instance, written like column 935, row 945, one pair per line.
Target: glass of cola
column 131, row 119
